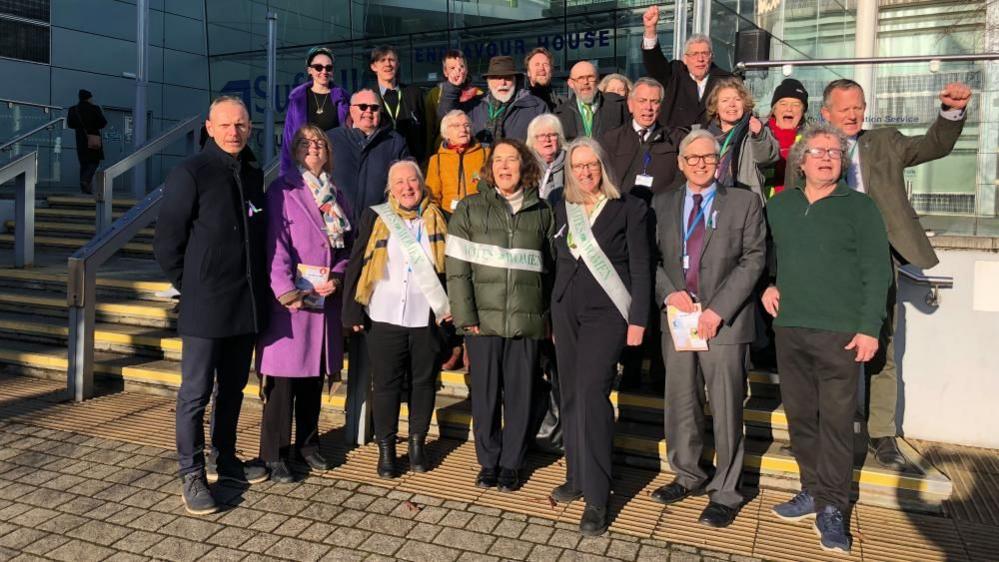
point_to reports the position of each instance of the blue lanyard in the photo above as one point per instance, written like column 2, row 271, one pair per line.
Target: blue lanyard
column 697, row 219
column 646, row 161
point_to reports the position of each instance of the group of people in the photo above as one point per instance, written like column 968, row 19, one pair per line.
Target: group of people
column 480, row 226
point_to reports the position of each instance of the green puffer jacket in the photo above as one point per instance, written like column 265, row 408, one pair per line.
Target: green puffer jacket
column 503, row 302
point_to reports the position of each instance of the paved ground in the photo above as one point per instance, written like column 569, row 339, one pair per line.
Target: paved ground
column 95, row 481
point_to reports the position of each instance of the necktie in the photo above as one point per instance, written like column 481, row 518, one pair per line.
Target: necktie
column 588, row 119
column 641, row 134
column 693, row 246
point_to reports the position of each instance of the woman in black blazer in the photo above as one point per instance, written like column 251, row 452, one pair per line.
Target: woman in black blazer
column 600, row 303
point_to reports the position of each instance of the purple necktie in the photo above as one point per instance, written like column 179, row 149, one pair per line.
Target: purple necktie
column 694, row 244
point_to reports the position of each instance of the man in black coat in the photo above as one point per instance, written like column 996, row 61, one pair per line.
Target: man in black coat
column 539, row 65
column 210, row 243
column 688, row 81
column 87, row 119
column 402, row 106
column 588, row 112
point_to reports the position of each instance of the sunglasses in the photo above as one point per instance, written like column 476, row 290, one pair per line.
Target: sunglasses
column 367, row 106
column 321, row 67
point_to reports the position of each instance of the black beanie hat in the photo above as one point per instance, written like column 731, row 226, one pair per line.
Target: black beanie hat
column 84, row 95
column 790, row 88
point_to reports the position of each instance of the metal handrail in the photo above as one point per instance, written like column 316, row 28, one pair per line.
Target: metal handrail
column 105, row 178
column 44, row 106
column 24, row 172
column 742, row 66
column 934, row 282
column 81, row 283
column 10, row 144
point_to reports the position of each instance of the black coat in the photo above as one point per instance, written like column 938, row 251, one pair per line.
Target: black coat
column 410, row 120
column 86, row 119
column 360, row 164
column 627, row 158
column 622, row 232
column 612, row 112
column 681, row 106
column 548, row 95
column 209, row 246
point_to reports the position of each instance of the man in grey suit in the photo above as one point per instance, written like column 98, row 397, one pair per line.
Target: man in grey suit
column 712, row 246
column 877, row 162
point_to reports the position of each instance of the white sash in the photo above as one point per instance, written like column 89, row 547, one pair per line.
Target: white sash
column 493, row 256
column 595, row 258
column 423, row 269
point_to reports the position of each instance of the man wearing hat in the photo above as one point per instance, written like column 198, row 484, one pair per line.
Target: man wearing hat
column 87, row 119
column 504, row 112
column 787, row 119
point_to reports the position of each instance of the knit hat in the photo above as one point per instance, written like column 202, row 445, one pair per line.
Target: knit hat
column 84, row 95
column 790, row 88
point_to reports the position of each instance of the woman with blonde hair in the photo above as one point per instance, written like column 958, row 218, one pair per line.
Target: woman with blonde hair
column 600, row 303
column 616, row 83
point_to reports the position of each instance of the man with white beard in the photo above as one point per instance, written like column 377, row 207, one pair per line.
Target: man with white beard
column 588, row 112
column 505, row 112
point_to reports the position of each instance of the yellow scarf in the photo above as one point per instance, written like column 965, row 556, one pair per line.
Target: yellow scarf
column 376, row 252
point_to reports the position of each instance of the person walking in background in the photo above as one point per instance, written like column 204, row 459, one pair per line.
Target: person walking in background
column 86, row 119
column 401, row 104
column 318, row 102
column 308, row 244
column 787, row 119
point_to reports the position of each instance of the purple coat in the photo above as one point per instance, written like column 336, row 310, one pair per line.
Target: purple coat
column 294, row 343
column 296, row 116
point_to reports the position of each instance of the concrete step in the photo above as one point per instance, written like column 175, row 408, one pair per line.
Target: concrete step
column 79, row 229
column 113, row 310
column 72, row 214
column 132, row 278
column 86, row 202
column 125, row 339
column 42, row 242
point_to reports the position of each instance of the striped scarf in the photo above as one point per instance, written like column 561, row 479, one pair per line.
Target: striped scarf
column 334, row 219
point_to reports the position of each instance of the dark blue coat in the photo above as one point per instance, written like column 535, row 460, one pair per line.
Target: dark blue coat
column 360, row 164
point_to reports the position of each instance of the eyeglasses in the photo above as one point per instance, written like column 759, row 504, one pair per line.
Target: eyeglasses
column 367, row 106
column 312, row 142
column 321, row 67
column 699, row 55
column 595, row 166
column 587, row 78
column 545, row 136
column 694, row 159
column 833, row 153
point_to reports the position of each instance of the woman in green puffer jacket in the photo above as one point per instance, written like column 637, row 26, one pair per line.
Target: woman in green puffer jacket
column 499, row 277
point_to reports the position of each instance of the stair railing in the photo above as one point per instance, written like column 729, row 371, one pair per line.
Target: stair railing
column 24, row 172
column 104, row 181
column 21, row 137
column 81, row 283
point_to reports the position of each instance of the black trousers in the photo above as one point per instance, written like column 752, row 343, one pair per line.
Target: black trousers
column 395, row 353
column 287, row 396
column 503, row 372
column 633, row 358
column 818, row 383
column 87, row 171
column 205, row 362
column 588, row 340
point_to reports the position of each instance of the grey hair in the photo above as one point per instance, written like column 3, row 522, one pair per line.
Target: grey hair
column 451, row 116
column 573, row 193
column 651, row 82
column 362, row 90
column 698, row 134
column 602, row 86
column 227, row 99
column 796, row 157
column 695, row 39
column 416, row 168
column 545, row 121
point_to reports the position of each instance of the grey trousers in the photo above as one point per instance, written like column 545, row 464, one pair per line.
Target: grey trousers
column 882, row 374
column 721, row 370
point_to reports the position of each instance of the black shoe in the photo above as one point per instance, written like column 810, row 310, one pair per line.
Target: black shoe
column 887, row 453
column 486, row 478
column 316, row 461
column 509, row 480
column 672, row 493
column 231, row 468
column 566, row 493
column 280, row 473
column 594, row 521
column 197, row 497
column 386, row 458
column 417, row 454
column 717, row 515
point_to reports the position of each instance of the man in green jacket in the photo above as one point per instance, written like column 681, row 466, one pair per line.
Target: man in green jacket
column 499, row 277
column 877, row 162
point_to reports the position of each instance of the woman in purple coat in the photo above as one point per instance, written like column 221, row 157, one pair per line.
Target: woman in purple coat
column 317, row 102
column 308, row 246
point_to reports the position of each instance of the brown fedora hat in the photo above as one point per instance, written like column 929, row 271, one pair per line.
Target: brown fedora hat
column 500, row 66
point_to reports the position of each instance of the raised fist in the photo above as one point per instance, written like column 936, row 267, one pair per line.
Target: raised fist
column 651, row 17
column 955, row 95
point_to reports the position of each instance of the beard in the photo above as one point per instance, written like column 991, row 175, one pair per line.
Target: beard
column 588, row 97
column 503, row 97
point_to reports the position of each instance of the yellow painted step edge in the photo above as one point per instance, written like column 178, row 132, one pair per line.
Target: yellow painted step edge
column 35, row 274
column 105, row 336
column 76, row 243
column 86, row 201
column 106, row 308
column 75, row 227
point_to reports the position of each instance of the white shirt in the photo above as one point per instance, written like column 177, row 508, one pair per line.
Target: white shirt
column 396, row 298
column 638, row 128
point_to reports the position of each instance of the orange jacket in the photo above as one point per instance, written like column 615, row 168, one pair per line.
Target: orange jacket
column 452, row 176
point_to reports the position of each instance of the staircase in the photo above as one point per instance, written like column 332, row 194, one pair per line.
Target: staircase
column 136, row 348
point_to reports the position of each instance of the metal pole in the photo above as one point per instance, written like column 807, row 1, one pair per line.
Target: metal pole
column 141, row 83
column 702, row 17
column 679, row 27
column 271, row 87
column 24, row 210
column 866, row 46
column 82, row 286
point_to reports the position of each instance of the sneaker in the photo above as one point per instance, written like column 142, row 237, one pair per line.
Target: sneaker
column 831, row 528
column 797, row 508
column 197, row 497
column 234, row 470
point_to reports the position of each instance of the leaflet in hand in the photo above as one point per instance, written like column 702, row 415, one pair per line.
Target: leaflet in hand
column 308, row 277
column 683, row 328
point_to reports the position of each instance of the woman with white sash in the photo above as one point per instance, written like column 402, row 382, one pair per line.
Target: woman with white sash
column 395, row 291
column 600, row 303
